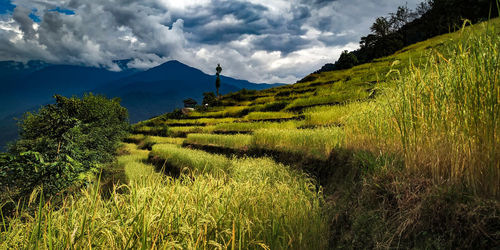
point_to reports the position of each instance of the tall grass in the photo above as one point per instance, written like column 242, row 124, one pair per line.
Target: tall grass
column 238, row 141
column 148, row 130
column 163, row 140
column 196, row 161
column 260, row 205
column 257, row 116
column 199, row 121
column 183, row 131
column 332, row 115
column 331, row 98
column 448, row 112
column 234, row 111
column 316, row 143
column 252, row 126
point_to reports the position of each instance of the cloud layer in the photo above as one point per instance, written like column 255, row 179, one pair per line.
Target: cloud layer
column 257, row 40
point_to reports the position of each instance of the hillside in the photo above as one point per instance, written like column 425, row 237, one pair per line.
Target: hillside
column 144, row 93
column 398, row 153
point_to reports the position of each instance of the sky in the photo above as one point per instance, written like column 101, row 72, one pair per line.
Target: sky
column 257, row 40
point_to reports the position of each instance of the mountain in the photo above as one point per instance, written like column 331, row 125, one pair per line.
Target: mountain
column 27, row 86
column 10, row 70
column 24, row 91
column 161, row 88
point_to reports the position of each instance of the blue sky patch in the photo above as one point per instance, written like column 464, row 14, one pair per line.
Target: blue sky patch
column 64, row 11
column 34, row 17
column 6, row 7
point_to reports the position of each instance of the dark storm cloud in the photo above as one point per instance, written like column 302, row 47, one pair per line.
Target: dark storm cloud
column 224, row 21
column 21, row 16
column 280, row 42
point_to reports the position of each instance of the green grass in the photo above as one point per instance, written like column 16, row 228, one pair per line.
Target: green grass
column 270, row 106
column 252, row 126
column 183, row 131
column 148, row 130
column 196, row 161
column 235, row 111
column 256, row 116
column 315, row 143
column 238, row 141
column 199, row 121
column 163, row 140
column 330, row 98
column 135, row 138
column 332, row 115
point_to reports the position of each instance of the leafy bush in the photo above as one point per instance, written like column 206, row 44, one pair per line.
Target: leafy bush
column 62, row 141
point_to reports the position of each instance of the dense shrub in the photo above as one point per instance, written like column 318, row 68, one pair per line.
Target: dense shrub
column 60, row 142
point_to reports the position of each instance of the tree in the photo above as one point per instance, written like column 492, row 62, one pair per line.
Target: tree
column 209, row 99
column 381, row 27
column 190, row 103
column 402, row 16
column 423, row 7
column 346, row 60
column 87, row 129
column 217, row 81
column 61, row 141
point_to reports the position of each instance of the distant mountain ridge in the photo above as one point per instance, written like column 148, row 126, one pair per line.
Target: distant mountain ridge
column 27, row 86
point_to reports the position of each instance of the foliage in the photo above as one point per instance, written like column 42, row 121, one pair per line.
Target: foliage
column 62, row 141
column 189, row 103
column 346, row 60
column 21, row 173
column 209, row 99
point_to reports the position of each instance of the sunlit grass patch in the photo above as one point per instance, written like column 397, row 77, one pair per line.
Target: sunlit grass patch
column 256, row 116
column 271, row 106
column 234, row 111
column 199, row 121
column 332, row 98
column 195, row 160
column 316, row 143
column 332, row 115
column 252, row 126
column 263, row 100
column 183, row 131
column 135, row 138
column 164, row 140
column 147, row 130
column 238, row 141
